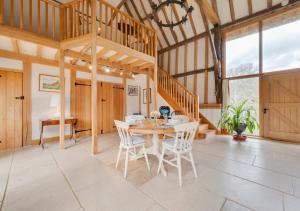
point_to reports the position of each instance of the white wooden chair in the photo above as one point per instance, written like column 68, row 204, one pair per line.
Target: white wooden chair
column 180, row 146
column 133, row 119
column 175, row 120
column 129, row 142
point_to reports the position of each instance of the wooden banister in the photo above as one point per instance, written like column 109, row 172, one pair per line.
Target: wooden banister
column 186, row 100
column 112, row 24
column 73, row 19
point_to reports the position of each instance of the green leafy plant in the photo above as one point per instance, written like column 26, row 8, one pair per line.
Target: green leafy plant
column 238, row 118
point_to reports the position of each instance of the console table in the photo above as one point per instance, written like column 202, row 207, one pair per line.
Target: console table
column 50, row 122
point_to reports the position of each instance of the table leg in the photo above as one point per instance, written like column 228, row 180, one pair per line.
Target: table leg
column 155, row 150
column 41, row 137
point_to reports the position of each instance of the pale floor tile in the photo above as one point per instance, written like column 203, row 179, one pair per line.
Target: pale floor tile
column 289, row 167
column 156, row 207
column 244, row 192
column 99, row 186
column 232, row 206
column 296, row 186
column 291, row 203
column 265, row 177
column 113, row 193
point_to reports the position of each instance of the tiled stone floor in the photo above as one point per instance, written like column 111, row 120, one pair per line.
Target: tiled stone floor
column 255, row 175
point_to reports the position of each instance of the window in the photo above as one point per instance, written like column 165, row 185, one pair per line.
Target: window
column 281, row 46
column 245, row 89
column 242, row 52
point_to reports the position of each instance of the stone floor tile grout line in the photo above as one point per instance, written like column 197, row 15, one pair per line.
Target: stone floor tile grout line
column 225, row 200
column 68, row 182
column 7, row 181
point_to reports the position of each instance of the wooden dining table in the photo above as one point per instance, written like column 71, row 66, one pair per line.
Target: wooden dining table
column 149, row 127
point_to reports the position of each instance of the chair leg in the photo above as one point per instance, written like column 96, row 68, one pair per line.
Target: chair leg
column 161, row 159
column 126, row 163
column 146, row 158
column 193, row 164
column 119, row 155
column 179, row 169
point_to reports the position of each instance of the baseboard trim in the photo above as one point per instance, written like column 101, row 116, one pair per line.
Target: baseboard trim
column 48, row 140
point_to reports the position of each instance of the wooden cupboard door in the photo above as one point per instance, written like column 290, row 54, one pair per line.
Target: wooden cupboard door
column 107, row 105
column 281, row 100
column 118, row 99
column 83, row 108
column 11, row 110
column 3, row 110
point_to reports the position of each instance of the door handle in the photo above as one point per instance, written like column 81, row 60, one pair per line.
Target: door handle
column 20, row 98
column 265, row 110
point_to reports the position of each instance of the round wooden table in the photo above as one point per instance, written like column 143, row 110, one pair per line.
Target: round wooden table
column 148, row 127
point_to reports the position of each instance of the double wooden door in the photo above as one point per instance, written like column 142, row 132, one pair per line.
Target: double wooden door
column 110, row 101
column 11, row 105
column 281, row 106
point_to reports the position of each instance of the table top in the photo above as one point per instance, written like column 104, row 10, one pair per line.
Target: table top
column 56, row 121
column 150, row 127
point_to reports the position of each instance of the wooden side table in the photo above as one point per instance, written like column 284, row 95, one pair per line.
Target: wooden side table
column 50, row 122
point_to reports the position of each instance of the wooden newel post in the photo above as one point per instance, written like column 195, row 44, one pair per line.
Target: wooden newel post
column 94, row 78
column 62, row 99
column 155, row 74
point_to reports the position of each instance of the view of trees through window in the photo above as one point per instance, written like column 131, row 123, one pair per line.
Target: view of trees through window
column 242, row 55
column 281, row 47
column 245, row 89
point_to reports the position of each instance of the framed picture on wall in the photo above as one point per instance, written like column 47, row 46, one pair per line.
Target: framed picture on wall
column 133, row 90
column 49, row 83
column 145, row 96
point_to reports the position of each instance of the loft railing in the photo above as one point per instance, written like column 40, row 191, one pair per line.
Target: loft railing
column 111, row 23
column 73, row 19
column 38, row 16
column 187, row 101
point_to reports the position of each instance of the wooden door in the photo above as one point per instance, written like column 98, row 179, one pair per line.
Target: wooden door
column 11, row 118
column 83, row 107
column 281, row 101
column 109, row 106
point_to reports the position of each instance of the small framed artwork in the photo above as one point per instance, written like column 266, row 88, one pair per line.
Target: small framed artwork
column 49, row 83
column 145, row 96
column 133, row 90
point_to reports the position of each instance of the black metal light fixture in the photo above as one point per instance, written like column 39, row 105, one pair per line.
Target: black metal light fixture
column 169, row 4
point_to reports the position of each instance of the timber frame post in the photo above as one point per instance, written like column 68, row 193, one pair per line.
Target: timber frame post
column 94, row 79
column 62, row 99
column 215, row 45
column 155, row 74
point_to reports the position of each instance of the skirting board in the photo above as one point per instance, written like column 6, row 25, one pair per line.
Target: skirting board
column 51, row 139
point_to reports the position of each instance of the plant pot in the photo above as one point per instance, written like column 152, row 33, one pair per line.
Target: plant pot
column 239, row 131
column 224, row 132
column 239, row 137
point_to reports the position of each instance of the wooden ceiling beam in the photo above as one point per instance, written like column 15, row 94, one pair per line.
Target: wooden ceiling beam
column 250, row 8
column 39, row 51
column 232, row 12
column 215, row 8
column 269, row 3
column 178, row 19
column 168, row 21
column 160, row 29
column 15, row 45
column 209, row 12
column 141, row 20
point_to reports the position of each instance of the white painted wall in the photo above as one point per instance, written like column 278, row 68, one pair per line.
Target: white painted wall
column 213, row 115
column 41, row 101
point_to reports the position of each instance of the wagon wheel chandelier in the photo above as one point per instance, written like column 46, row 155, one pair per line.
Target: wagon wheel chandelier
column 170, row 4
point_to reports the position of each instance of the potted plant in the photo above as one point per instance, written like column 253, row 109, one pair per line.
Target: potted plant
column 238, row 118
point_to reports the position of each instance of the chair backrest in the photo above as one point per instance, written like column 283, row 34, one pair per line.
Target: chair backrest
column 123, row 131
column 180, row 118
column 185, row 136
column 132, row 119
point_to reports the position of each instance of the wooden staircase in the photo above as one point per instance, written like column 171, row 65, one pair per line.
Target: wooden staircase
column 183, row 101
